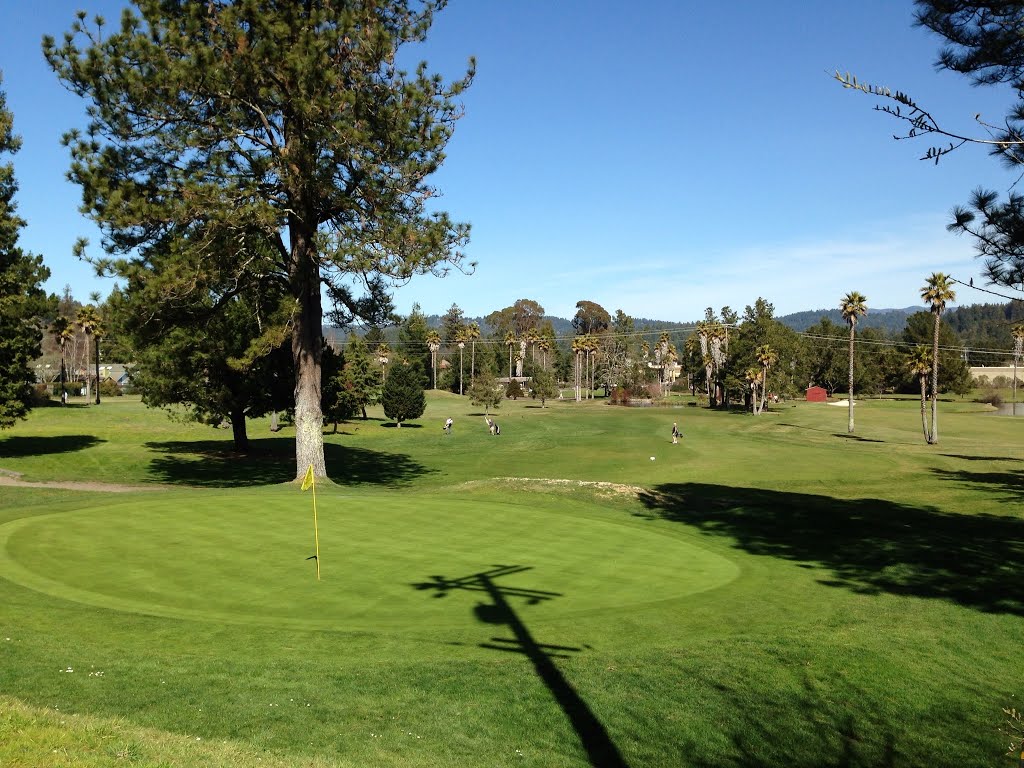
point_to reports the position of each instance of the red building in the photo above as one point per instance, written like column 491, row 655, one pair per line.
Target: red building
column 816, row 395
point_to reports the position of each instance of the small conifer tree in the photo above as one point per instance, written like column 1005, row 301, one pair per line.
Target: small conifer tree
column 403, row 397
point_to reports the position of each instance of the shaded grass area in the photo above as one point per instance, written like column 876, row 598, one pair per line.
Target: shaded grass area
column 208, row 464
column 868, row 545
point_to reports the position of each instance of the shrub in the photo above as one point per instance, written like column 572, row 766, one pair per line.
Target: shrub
column 109, row 388
column 991, row 397
column 40, row 395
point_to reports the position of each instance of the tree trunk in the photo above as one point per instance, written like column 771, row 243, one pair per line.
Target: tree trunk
column 1014, row 412
column 238, row 430
column 97, row 370
column 924, row 417
column 934, row 437
column 63, row 379
column 307, row 350
column 88, row 389
column 849, row 427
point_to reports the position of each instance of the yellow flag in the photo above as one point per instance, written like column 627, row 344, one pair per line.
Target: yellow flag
column 307, row 481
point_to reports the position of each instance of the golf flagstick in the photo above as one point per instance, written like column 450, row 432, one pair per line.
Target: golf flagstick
column 309, row 482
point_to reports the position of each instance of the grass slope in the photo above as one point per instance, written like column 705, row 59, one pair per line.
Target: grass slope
column 769, row 592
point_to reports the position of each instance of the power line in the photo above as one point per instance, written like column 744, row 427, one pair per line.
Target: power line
column 974, row 287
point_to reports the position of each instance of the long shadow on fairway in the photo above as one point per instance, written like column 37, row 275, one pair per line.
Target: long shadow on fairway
column 601, row 750
column 869, row 545
column 212, row 464
column 858, row 438
column 979, row 458
column 1010, row 484
column 17, row 447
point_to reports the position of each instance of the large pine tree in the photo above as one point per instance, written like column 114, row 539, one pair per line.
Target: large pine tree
column 22, row 299
column 290, row 120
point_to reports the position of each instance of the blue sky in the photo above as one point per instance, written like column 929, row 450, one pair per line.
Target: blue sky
column 656, row 157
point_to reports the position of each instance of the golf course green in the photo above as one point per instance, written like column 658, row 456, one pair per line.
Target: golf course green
column 210, row 560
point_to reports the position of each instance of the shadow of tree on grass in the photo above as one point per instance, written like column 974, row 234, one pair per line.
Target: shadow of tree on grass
column 18, row 446
column 1008, row 484
column 270, row 461
column 868, row 545
column 979, row 458
column 858, row 438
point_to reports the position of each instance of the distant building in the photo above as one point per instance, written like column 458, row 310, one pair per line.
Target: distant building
column 992, row 371
column 816, row 395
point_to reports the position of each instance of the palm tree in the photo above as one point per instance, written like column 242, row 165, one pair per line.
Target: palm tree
column 937, row 292
column 755, row 379
column 544, row 344
column 472, row 333
column 577, row 349
column 767, row 357
column 919, row 363
column 98, row 332
column 433, row 344
column 383, row 353
column 88, row 320
column 1018, row 347
column 852, row 306
column 532, row 337
column 510, row 341
column 589, row 345
column 63, row 331
column 460, row 342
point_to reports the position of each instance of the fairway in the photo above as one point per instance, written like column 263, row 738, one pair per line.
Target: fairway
column 243, row 558
column 769, row 587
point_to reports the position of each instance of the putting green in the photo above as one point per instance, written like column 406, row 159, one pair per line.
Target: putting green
column 241, row 557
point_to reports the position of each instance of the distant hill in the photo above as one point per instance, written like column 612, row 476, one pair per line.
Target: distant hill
column 890, row 320
column 979, row 326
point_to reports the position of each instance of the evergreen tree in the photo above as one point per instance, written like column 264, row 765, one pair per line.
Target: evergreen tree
column 403, row 397
column 544, row 387
column 334, row 403
column 485, row 390
column 225, row 365
column 413, row 337
column 982, row 40
column 360, row 381
column 22, row 300
column 287, row 122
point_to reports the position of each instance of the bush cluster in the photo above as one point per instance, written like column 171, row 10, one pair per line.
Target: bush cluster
column 991, row 397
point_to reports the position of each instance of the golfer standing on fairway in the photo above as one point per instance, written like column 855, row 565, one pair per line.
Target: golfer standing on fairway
column 675, row 433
